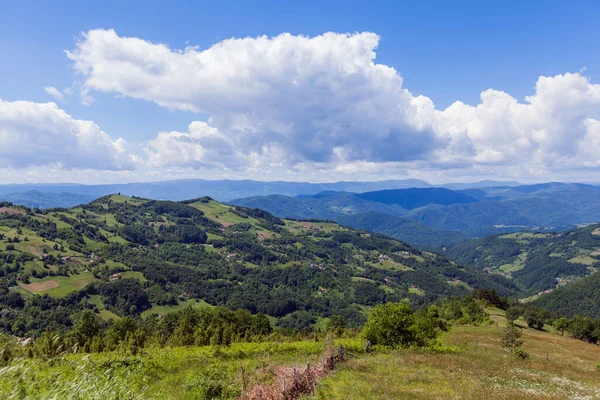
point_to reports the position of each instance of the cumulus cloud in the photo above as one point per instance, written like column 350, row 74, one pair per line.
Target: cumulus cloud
column 41, row 134
column 308, row 96
column 203, row 146
column 322, row 103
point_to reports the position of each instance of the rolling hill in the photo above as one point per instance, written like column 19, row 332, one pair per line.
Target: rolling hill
column 351, row 210
column 553, row 206
column 472, row 212
column 223, row 190
column 581, row 297
column 124, row 256
column 37, row 199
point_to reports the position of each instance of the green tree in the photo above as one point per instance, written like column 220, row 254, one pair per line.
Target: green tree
column 511, row 340
column 390, row 324
column 512, row 314
column 120, row 332
column 86, row 328
column 561, row 325
column 534, row 320
column 336, row 325
column 50, row 343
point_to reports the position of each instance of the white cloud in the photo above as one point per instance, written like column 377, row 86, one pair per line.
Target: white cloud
column 41, row 134
column 203, row 147
column 54, row 92
column 547, row 129
column 322, row 105
column 306, row 96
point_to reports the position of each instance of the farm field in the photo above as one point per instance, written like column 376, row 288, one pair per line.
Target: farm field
column 59, row 286
column 161, row 310
column 391, row 265
column 222, row 214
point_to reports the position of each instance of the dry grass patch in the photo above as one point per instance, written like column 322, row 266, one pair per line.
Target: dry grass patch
column 36, row 287
column 11, row 211
column 558, row 368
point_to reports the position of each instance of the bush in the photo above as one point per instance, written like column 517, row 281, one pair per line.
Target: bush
column 520, row 353
column 561, row 325
column 395, row 325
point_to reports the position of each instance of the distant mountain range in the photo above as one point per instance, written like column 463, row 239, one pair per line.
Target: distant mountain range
column 37, row 199
column 410, row 210
column 471, row 212
column 226, row 190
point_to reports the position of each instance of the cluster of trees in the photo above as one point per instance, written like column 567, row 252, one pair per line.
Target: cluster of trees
column 581, row 297
column 396, row 325
column 582, row 328
column 189, row 327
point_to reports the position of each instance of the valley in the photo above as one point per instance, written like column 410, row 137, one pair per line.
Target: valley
column 218, row 301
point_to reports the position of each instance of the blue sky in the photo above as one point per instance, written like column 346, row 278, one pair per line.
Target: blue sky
column 446, row 51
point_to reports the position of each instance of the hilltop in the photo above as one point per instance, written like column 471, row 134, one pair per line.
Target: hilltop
column 124, row 256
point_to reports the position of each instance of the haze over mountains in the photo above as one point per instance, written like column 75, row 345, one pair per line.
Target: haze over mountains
column 470, row 212
column 226, row 190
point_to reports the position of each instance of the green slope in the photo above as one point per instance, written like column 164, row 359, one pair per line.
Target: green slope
column 140, row 255
column 536, row 261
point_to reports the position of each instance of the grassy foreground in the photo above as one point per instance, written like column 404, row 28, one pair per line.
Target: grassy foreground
column 558, row 368
column 474, row 366
column 169, row 373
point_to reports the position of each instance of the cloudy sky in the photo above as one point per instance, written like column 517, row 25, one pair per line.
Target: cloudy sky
column 139, row 91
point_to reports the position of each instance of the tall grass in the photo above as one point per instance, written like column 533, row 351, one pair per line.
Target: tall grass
column 165, row 373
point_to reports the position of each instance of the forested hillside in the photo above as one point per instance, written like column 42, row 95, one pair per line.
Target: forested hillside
column 121, row 256
column 538, row 262
column 471, row 212
column 581, row 297
column 350, row 209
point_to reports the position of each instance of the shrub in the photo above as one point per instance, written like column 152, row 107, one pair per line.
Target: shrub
column 390, row 325
column 395, row 325
column 520, row 353
column 511, row 337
